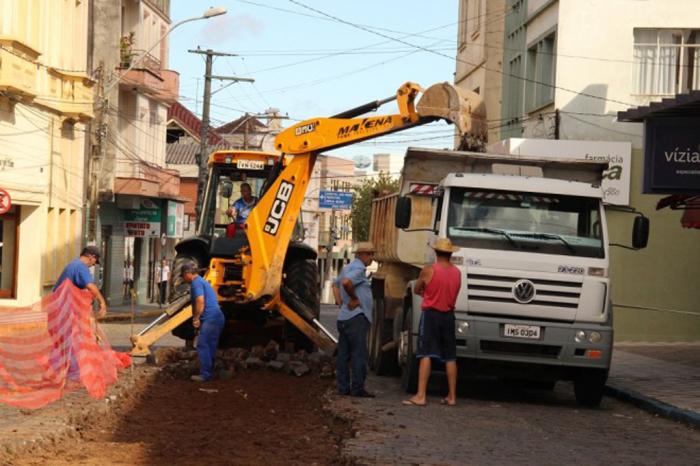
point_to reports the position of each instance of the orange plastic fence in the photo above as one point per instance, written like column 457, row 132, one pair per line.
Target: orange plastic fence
column 52, row 347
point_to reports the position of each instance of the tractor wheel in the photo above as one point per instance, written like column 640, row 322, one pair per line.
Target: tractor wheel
column 302, row 280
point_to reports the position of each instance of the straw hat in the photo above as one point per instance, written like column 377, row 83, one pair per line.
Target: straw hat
column 364, row 246
column 444, row 245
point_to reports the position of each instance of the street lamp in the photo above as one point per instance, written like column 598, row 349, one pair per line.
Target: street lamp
column 209, row 13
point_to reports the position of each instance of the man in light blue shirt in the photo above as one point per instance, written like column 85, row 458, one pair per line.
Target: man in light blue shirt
column 354, row 296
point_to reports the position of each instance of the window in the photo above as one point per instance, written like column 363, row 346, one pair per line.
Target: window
column 540, row 73
column 8, row 253
column 666, row 61
column 463, row 15
column 469, row 21
column 475, row 18
column 516, row 221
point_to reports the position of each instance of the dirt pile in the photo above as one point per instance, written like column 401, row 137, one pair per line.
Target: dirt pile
column 181, row 363
column 257, row 417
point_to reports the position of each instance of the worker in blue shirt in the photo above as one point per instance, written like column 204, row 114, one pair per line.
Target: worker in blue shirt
column 354, row 296
column 207, row 317
column 77, row 271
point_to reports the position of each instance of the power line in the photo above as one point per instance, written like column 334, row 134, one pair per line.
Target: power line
column 419, row 47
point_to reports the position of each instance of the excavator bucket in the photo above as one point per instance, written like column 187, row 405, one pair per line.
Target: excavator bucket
column 465, row 109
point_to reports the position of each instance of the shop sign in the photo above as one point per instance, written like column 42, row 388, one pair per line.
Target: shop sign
column 672, row 155
column 616, row 179
column 5, row 202
column 143, row 222
column 175, row 220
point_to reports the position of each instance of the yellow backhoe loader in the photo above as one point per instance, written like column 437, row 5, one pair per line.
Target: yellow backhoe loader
column 265, row 279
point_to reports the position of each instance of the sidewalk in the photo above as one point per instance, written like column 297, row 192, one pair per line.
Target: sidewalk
column 123, row 311
column 663, row 378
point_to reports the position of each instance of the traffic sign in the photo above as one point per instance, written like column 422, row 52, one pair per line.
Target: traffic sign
column 339, row 200
column 5, row 202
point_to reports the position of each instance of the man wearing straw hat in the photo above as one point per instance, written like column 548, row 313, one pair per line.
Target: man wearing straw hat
column 354, row 296
column 439, row 285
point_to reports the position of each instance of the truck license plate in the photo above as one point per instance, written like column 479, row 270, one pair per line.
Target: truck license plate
column 250, row 165
column 522, row 331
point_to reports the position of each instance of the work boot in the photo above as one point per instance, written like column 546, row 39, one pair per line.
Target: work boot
column 198, row 378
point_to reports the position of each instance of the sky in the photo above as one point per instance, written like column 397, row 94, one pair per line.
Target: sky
column 310, row 63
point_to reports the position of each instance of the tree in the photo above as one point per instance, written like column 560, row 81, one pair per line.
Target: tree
column 369, row 189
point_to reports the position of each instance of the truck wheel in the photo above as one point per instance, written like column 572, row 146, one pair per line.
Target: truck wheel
column 178, row 288
column 383, row 362
column 589, row 385
column 301, row 277
column 406, row 355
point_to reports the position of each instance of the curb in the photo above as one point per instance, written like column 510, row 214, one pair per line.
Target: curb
column 127, row 316
column 653, row 405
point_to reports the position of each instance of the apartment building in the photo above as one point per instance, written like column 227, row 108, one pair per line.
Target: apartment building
column 140, row 214
column 480, row 54
column 568, row 68
column 46, row 103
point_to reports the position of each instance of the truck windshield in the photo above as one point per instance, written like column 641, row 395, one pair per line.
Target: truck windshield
column 545, row 223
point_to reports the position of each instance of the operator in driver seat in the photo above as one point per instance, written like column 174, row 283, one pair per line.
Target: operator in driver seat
column 240, row 209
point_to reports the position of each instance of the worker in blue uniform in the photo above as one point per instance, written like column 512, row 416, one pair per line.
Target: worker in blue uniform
column 207, row 317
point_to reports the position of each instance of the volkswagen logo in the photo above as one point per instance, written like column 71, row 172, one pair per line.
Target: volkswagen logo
column 524, row 291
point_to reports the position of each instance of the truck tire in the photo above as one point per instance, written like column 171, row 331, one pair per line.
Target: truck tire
column 589, row 385
column 178, row 288
column 407, row 356
column 301, row 279
column 383, row 362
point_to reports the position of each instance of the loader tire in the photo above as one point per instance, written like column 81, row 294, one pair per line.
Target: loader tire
column 179, row 288
column 301, row 292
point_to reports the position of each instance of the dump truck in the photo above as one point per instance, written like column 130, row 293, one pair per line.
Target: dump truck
column 265, row 280
column 535, row 304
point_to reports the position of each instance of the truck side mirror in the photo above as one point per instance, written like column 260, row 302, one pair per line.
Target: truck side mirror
column 640, row 232
column 402, row 216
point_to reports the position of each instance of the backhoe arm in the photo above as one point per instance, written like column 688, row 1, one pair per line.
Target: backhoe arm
column 271, row 223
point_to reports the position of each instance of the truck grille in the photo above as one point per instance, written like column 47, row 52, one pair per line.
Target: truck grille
column 528, row 349
column 499, row 289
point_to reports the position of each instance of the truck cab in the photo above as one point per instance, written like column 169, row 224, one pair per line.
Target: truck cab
column 534, row 304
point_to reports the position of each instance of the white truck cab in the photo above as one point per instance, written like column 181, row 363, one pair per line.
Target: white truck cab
column 534, row 256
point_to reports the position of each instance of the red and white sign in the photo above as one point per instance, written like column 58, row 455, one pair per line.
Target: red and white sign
column 5, row 202
column 422, row 189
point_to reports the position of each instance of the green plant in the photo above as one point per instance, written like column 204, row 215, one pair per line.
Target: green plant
column 369, row 189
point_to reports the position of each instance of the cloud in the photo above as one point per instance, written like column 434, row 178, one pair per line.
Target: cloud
column 223, row 28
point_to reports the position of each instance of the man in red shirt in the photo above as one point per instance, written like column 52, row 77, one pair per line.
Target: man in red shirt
column 439, row 285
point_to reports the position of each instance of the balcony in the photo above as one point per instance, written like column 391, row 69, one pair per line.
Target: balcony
column 148, row 78
column 70, row 94
column 18, row 71
column 149, row 181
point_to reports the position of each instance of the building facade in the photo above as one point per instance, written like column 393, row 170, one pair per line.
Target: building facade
column 139, row 215
column 46, row 105
column 568, row 68
column 480, row 54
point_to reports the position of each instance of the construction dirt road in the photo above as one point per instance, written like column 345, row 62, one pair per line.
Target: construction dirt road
column 260, row 417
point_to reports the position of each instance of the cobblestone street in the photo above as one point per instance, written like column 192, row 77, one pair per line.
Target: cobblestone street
column 494, row 424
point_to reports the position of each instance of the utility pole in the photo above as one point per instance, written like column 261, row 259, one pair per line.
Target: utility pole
column 204, row 132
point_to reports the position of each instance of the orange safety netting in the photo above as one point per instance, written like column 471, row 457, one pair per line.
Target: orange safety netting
column 52, row 347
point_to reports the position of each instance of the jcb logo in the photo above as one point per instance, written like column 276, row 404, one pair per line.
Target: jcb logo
column 274, row 219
